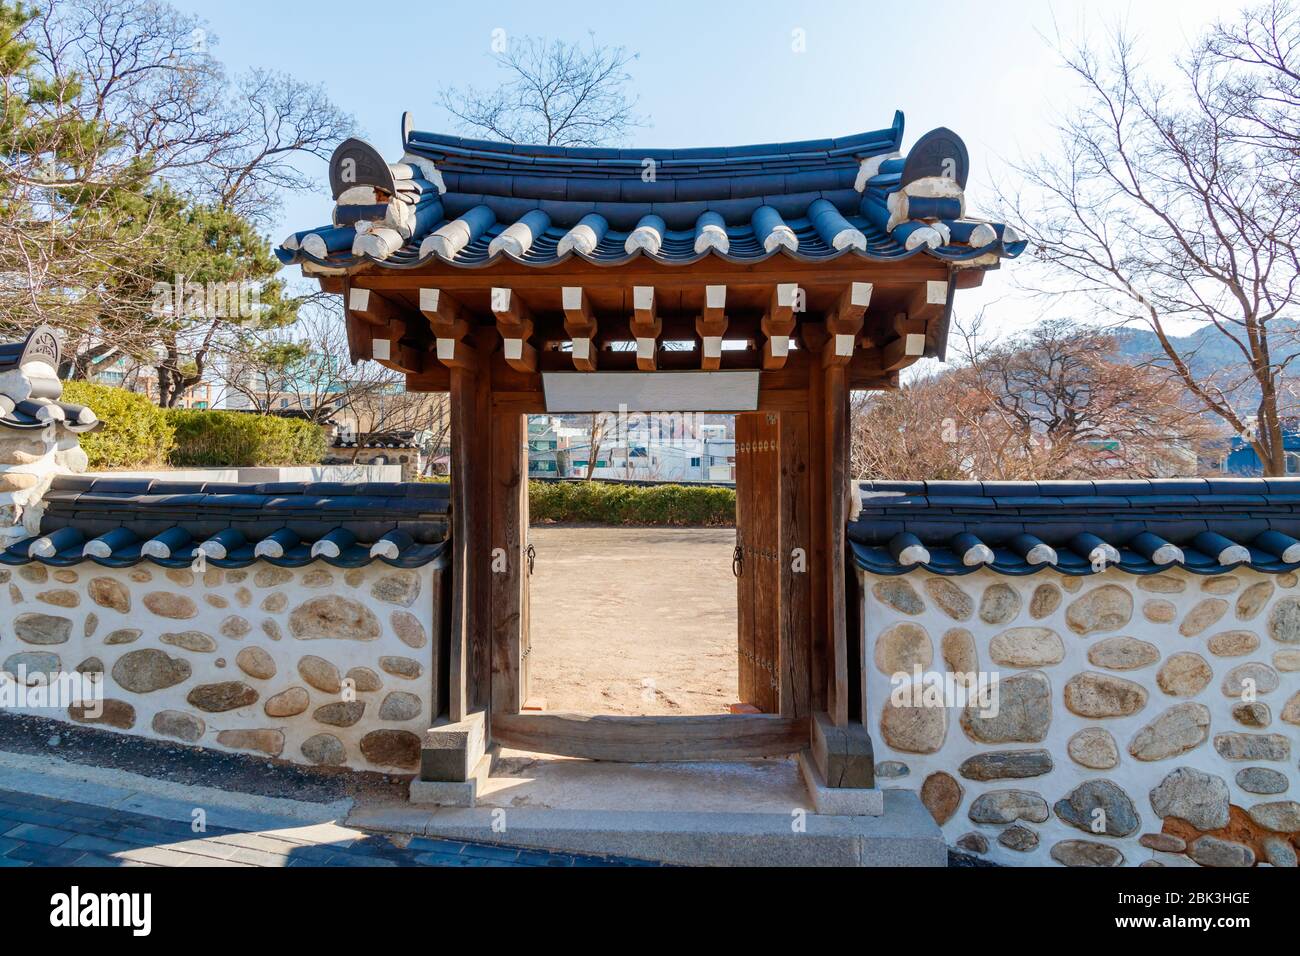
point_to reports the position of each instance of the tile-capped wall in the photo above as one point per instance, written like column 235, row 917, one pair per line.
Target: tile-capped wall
column 316, row 665
column 1140, row 720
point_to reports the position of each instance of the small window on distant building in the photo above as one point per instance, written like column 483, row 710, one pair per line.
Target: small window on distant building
column 1292, row 463
column 695, row 463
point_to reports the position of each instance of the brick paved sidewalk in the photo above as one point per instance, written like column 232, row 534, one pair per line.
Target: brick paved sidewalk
column 43, row 831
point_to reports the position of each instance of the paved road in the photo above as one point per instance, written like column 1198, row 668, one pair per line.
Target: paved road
column 42, row 831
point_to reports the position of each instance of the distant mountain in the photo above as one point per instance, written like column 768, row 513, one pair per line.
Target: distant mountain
column 1211, row 354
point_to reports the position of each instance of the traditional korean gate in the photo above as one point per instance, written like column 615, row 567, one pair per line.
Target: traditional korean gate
column 770, row 561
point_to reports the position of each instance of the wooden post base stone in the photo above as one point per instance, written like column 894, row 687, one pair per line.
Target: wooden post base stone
column 843, row 755
column 452, row 751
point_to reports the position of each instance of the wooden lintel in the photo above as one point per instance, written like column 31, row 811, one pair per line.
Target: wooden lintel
column 652, row 739
column 580, row 324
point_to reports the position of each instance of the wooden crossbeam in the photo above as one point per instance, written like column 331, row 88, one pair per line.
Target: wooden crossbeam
column 844, row 324
column 515, row 323
column 388, row 347
column 908, row 343
column 711, row 326
column 450, row 327
column 646, row 327
column 778, row 323
column 369, row 306
column 580, row 324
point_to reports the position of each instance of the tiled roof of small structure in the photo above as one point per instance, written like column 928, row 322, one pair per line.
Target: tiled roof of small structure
column 1205, row 526
column 119, row 522
column 473, row 202
column 38, row 404
column 376, row 440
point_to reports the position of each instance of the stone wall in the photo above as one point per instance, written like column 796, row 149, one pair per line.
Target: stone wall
column 316, row 665
column 1126, row 732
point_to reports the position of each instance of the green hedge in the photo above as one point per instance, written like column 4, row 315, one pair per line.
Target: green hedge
column 598, row 502
column 219, row 439
column 136, row 433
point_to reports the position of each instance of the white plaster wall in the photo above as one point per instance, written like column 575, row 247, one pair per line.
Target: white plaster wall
column 216, row 596
column 1136, row 777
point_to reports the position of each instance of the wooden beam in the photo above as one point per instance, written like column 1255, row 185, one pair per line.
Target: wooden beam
column 450, row 326
column 906, row 347
column 836, row 474
column 844, row 324
column 515, row 323
column 653, row 739
column 580, row 324
column 372, row 307
column 711, row 326
column 778, row 324
column 389, row 348
column 509, row 497
column 646, row 327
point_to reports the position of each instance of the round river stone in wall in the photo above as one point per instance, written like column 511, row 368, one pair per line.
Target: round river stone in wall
column 182, row 576
column 1123, row 654
column 36, row 628
column 1094, row 748
column 391, row 748
column 275, row 603
column 1018, row 837
column 271, row 629
column 1291, row 709
column 398, row 587
column 195, row 641
column 178, row 724
column 958, row 648
column 898, row 594
column 1045, row 600
column 318, row 578
column 902, row 647
column 341, row 713
column 149, row 669
column 913, row 730
column 1162, row 584
column 110, row 593
column 1006, row 765
column 114, row 713
column 1262, row 780
column 269, row 576
column 1176, row 731
column 364, row 679
column 36, row 573
column 244, row 597
column 973, row 842
column 1159, row 611
column 91, row 625
column 255, row 662
column 1250, row 677
column 175, row 606
column 999, row 604
column 1220, row 584
column 264, row 741
column 1233, row 643
column 325, row 750
column 408, row 629
column 1193, row 795
column 1254, row 714
column 60, row 597
column 1286, row 660
column 941, row 794
column 123, row 635
column 235, row 627
column 1239, row 746
column 1253, row 600
column 950, row 598
column 401, row 667
column 1211, row 851
column 1024, row 712
column 222, row 696
column 399, row 705
column 1204, row 614
column 1184, row 674
column 1099, row 802
column 1106, row 608
column 333, row 617
column 32, row 663
column 1008, row 806
column 1027, row 647
column 1284, row 621
column 320, row 673
column 1103, row 695
column 287, row 703
column 1086, row 853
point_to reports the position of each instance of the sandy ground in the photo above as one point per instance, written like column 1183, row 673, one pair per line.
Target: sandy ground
column 634, row 620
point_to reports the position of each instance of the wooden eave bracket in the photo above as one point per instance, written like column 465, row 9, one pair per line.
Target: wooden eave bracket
column 580, row 325
column 515, row 323
column 646, row 327
column 450, row 329
column 844, row 324
column 711, row 326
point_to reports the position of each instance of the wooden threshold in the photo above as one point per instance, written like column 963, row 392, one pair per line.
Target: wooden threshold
column 652, row 739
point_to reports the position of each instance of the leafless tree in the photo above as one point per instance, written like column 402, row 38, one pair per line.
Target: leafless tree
column 1176, row 206
column 555, row 92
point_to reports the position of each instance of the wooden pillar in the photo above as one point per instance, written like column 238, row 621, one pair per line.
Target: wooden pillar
column 812, row 339
column 794, row 566
column 509, row 561
column 836, row 410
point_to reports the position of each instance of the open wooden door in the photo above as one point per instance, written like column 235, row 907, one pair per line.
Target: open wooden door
column 771, row 561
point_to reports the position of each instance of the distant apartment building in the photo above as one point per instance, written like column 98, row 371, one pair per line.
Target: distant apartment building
column 121, row 372
column 638, row 451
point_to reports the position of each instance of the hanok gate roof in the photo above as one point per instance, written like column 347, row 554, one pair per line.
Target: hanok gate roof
column 471, row 203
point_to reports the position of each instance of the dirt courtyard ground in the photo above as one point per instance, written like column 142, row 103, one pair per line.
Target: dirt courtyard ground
column 634, row 620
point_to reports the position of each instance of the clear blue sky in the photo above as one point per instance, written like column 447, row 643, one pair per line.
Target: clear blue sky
column 716, row 73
